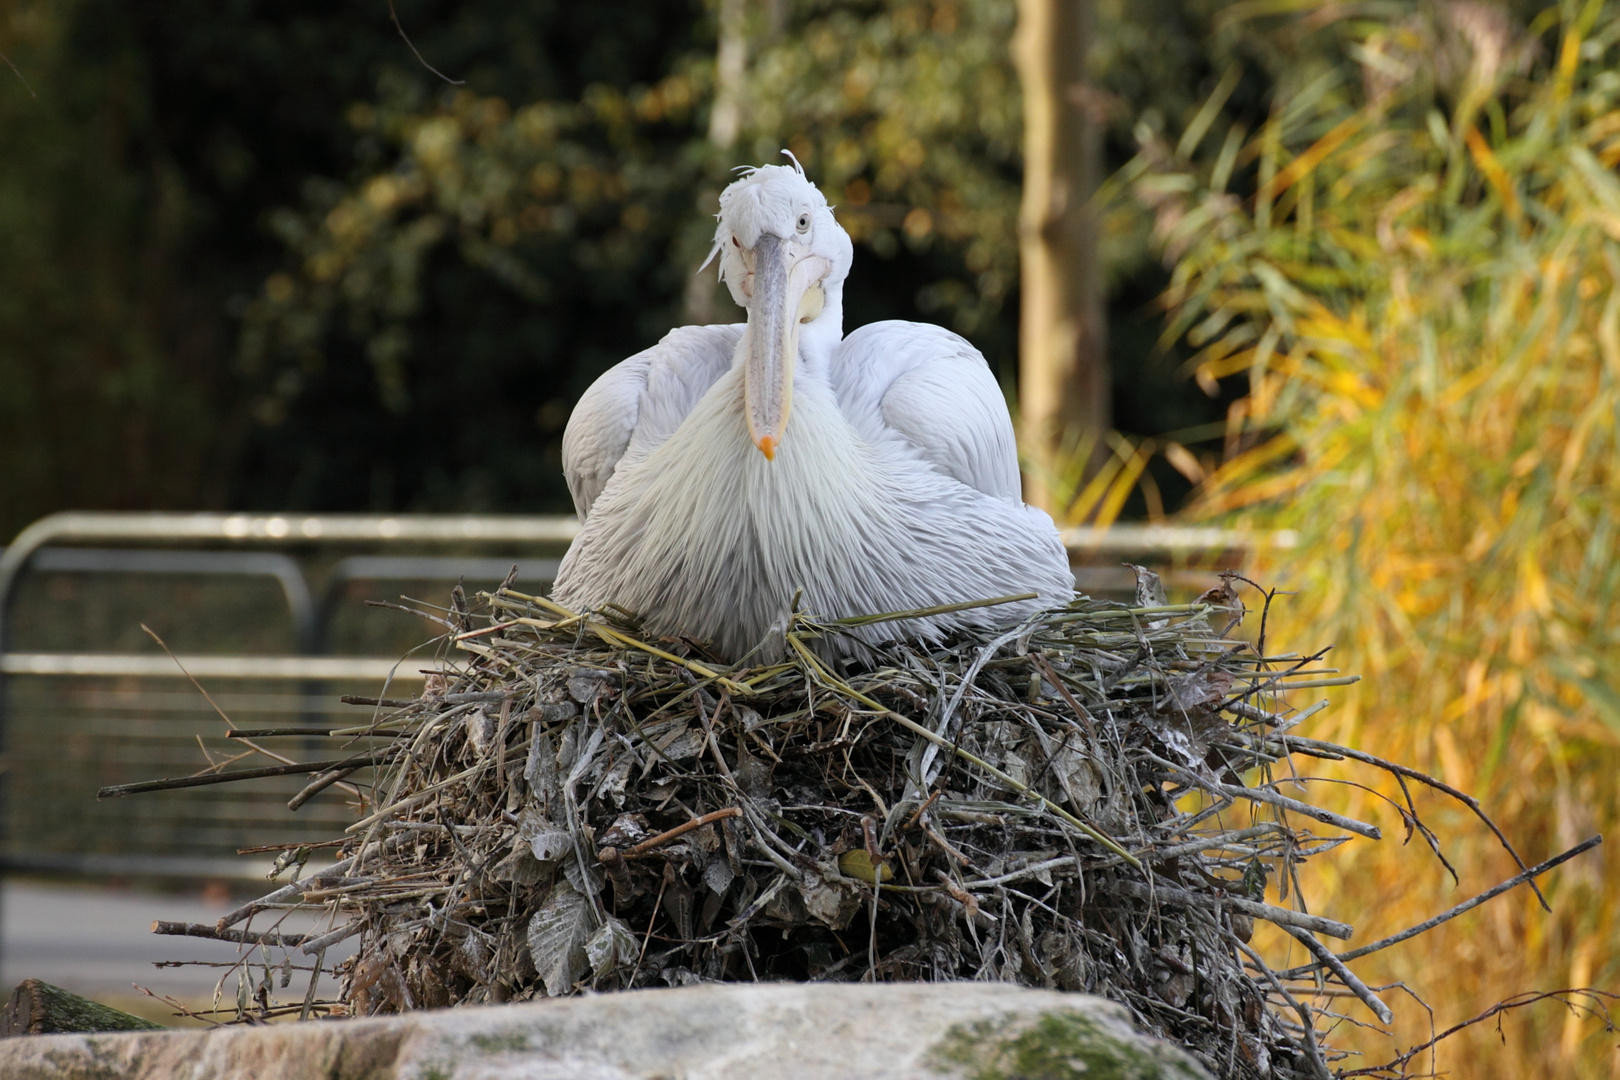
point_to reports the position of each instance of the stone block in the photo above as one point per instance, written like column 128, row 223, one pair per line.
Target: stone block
column 778, row 1031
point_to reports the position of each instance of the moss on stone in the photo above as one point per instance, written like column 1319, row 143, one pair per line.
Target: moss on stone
column 1058, row 1045
column 37, row 1007
column 500, row 1042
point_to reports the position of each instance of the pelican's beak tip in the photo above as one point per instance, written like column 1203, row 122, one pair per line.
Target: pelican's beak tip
column 767, row 446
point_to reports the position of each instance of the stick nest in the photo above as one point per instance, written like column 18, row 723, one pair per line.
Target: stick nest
column 1092, row 800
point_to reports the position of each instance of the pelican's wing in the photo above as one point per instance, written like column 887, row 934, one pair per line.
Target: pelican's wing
column 928, row 386
column 638, row 403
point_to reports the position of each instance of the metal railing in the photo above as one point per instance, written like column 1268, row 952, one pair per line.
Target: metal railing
column 77, row 718
column 29, row 552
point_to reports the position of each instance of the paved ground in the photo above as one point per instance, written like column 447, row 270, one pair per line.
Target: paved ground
column 98, row 942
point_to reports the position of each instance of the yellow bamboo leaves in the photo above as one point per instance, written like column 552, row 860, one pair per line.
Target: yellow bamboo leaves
column 1424, row 295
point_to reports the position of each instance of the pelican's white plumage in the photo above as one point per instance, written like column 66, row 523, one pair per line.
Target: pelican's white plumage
column 888, row 479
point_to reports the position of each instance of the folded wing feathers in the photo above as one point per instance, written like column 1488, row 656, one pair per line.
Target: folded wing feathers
column 638, row 403
column 930, row 387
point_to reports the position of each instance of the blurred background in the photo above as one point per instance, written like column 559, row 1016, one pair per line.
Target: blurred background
column 1345, row 272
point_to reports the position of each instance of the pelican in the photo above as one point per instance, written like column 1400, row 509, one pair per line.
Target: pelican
column 729, row 470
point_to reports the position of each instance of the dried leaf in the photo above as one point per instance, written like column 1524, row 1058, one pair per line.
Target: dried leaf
column 829, row 902
column 479, row 728
column 678, row 901
column 1222, row 596
column 612, row 946
column 557, row 934
column 753, row 773
column 627, row 830
column 614, row 780
column 787, row 906
column 718, row 876
column 585, row 687
column 520, row 867
column 583, row 880
column 681, row 744
column 472, row 957
column 1189, row 693
column 1076, row 775
column 540, row 773
column 1150, row 593
column 550, row 844
column 568, row 747
column 587, row 756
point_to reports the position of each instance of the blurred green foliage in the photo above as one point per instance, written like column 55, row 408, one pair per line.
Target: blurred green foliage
column 99, row 402
column 136, row 211
column 261, row 257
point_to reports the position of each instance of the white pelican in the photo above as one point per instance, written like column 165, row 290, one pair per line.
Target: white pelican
column 729, row 469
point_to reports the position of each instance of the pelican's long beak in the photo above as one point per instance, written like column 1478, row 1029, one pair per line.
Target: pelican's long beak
column 786, row 291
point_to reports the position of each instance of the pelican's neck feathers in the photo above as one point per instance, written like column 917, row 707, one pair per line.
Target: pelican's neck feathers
column 707, row 538
column 819, row 338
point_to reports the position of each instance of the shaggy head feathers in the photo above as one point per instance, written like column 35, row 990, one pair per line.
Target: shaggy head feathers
column 774, row 199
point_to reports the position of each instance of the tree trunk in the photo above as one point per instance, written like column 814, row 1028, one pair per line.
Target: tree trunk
column 703, row 302
column 1063, row 364
column 730, row 65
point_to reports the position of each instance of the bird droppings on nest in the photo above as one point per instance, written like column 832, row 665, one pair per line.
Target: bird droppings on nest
column 1092, row 800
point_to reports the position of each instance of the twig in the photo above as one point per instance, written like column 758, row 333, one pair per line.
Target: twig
column 646, row 846
column 295, row 888
column 118, row 791
column 1307, row 1026
column 1314, row 745
column 314, row 980
column 316, row 946
column 923, row 613
column 916, row 728
column 403, row 37
column 19, row 75
column 477, row 697
column 1518, row 1001
column 240, row 937
column 292, row 847
column 320, row 784
column 376, row 702
column 917, row 815
column 1466, row 905
column 178, row 1007
column 1344, row 974
column 1282, row 802
column 215, row 705
column 1285, row 917
column 646, row 938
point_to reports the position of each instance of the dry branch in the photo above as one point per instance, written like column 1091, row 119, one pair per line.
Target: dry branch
column 240, row 937
column 119, row 791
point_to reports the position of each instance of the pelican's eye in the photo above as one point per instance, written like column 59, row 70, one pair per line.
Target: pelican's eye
column 804, row 222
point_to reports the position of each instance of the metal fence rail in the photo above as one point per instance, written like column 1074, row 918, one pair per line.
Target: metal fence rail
column 78, row 717
column 70, row 736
